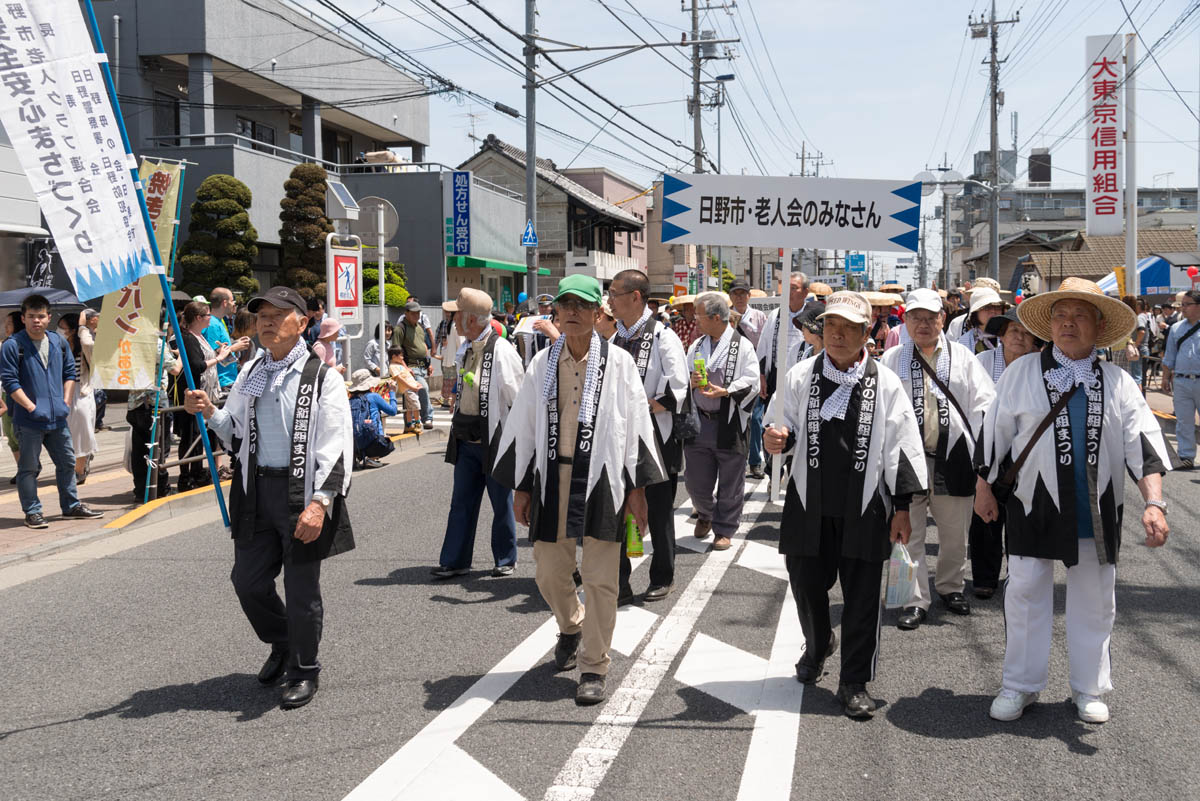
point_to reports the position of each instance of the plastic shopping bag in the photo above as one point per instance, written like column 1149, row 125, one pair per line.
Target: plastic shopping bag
column 902, row 578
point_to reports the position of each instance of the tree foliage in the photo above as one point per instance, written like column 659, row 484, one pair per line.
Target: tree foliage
column 395, row 284
column 220, row 249
column 303, row 228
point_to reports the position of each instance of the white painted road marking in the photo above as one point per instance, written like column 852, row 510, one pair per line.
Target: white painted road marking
column 591, row 760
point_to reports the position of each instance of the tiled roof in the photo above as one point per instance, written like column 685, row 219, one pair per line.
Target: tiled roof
column 1099, row 255
column 548, row 172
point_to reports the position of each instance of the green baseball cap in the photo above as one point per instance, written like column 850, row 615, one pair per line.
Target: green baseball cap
column 582, row 286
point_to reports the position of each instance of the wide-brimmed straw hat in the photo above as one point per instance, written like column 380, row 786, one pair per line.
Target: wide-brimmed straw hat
column 1120, row 320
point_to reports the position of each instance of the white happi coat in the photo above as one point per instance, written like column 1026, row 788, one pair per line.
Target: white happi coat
column 768, row 355
column 1041, row 519
column 665, row 380
column 972, row 387
column 740, row 379
column 498, row 377
column 891, row 462
column 617, row 455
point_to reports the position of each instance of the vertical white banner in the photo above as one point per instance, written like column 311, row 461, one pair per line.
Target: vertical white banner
column 1105, row 123
column 56, row 110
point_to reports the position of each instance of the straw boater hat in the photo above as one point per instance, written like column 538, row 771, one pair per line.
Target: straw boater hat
column 1119, row 318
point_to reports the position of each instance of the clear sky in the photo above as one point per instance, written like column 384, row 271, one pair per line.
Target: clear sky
column 882, row 88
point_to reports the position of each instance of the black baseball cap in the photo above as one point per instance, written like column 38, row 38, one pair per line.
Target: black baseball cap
column 739, row 286
column 281, row 297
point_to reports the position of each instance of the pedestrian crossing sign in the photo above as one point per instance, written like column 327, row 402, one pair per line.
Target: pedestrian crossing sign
column 529, row 238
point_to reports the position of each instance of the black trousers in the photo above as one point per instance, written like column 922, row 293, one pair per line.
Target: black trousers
column 256, row 563
column 813, row 577
column 193, row 474
column 987, row 550
column 660, row 502
column 140, row 420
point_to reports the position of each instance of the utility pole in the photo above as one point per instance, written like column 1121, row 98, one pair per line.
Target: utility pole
column 980, row 29
column 697, row 135
column 531, row 253
column 921, row 272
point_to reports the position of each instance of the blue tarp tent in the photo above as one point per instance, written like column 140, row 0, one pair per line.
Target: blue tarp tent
column 1154, row 278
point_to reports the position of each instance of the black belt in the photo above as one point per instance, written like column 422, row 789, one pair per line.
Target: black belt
column 422, row 363
column 710, row 415
column 271, row 472
column 1187, row 375
column 567, row 460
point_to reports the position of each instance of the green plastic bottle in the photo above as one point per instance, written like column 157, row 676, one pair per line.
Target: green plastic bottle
column 702, row 369
column 633, row 537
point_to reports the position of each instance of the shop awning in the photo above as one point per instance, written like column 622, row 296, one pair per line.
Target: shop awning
column 490, row 264
column 18, row 228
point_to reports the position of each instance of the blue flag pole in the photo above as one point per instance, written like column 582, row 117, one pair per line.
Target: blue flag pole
column 162, row 277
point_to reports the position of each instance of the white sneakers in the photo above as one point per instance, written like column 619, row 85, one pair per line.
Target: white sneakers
column 1091, row 708
column 1010, row 704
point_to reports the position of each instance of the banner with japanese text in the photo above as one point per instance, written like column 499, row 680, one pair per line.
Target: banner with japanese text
column 57, row 113
column 792, row 212
column 126, row 352
column 1104, row 167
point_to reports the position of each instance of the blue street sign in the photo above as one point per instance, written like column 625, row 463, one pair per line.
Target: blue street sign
column 529, row 238
column 856, row 262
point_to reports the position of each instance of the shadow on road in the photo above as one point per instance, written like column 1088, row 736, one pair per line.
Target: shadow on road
column 489, row 590
column 238, row 693
column 942, row 715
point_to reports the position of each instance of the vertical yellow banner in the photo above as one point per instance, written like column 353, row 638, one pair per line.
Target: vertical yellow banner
column 126, row 352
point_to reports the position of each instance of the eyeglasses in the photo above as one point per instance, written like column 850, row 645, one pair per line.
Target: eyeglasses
column 575, row 306
column 612, row 294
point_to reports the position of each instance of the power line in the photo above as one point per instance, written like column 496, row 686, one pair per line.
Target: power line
column 1154, row 58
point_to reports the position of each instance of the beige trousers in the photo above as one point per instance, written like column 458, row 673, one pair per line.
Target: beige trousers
column 953, row 517
column 601, row 565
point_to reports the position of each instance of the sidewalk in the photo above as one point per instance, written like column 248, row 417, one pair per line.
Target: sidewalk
column 109, row 489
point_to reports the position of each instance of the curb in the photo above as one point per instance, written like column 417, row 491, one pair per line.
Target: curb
column 159, row 511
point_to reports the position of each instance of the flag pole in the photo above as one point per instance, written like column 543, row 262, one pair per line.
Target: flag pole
column 152, row 486
column 162, row 277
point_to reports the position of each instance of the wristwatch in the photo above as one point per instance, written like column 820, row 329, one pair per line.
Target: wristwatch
column 323, row 499
column 1160, row 504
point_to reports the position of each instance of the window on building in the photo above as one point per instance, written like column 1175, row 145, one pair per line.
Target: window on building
column 267, row 266
column 252, row 129
column 166, row 116
column 295, row 138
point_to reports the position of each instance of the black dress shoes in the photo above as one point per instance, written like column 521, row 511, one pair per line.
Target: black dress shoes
column 957, row 603
column 591, row 689
column 566, row 649
column 624, row 595
column 273, row 668
column 984, row 593
column 657, row 593
column 855, row 700
column 911, row 618
column 298, row 693
column 809, row 669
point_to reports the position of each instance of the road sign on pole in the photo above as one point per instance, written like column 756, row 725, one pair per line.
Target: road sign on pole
column 529, row 239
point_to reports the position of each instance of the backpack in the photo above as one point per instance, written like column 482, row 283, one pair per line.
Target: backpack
column 363, row 416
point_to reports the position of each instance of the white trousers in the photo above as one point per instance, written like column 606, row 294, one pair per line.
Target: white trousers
column 953, row 517
column 1029, row 616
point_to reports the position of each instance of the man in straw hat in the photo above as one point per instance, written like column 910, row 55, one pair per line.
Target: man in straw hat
column 1088, row 424
column 579, row 449
column 858, row 463
column 491, row 377
column 949, row 391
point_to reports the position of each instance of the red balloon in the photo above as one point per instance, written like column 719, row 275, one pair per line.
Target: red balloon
column 1193, row 271
column 1018, row 299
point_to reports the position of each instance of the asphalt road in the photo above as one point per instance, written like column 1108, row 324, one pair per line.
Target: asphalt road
column 132, row 677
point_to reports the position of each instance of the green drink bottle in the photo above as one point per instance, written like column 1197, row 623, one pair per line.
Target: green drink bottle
column 633, row 537
column 702, row 369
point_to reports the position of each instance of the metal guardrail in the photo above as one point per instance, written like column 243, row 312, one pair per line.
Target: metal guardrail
column 212, row 141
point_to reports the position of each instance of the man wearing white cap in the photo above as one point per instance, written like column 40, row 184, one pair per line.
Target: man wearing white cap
column 949, row 391
column 858, row 465
column 545, row 333
column 1061, row 435
column 985, row 304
